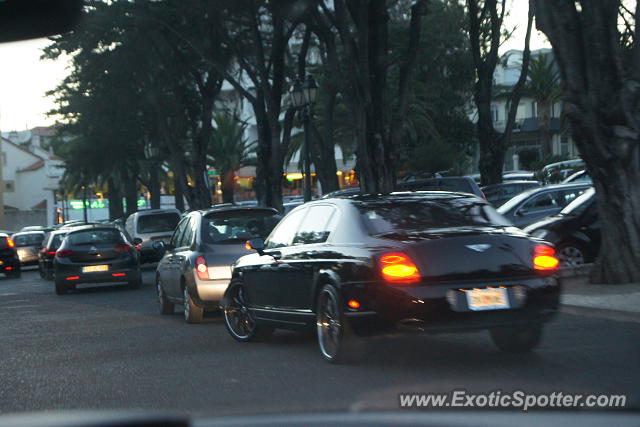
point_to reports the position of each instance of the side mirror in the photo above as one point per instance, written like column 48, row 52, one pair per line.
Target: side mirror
column 138, row 241
column 257, row 245
column 158, row 246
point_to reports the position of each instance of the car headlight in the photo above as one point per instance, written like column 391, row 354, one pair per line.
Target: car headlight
column 540, row 233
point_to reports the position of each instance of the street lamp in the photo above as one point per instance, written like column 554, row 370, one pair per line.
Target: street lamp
column 303, row 96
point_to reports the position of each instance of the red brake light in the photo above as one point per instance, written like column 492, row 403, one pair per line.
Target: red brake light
column 201, row 268
column 544, row 258
column 10, row 242
column 63, row 253
column 397, row 267
column 51, row 252
column 73, row 278
column 122, row 248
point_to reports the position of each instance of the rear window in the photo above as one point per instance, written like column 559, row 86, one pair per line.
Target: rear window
column 3, row 242
column 34, row 239
column 56, row 241
column 444, row 184
column 237, row 226
column 157, row 223
column 90, row 237
column 411, row 215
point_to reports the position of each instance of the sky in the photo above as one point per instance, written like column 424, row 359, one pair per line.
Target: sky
column 24, row 78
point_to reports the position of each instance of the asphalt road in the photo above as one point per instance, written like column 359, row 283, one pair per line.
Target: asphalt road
column 108, row 348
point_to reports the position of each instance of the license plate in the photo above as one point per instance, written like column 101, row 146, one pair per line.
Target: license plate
column 94, row 268
column 487, row 299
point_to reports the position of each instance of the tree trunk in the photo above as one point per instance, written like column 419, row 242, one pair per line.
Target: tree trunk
column 154, row 186
column 228, row 183
column 324, row 160
column 115, row 200
column 178, row 189
column 544, row 125
column 131, row 196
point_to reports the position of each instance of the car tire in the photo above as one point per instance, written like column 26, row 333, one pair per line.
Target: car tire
column 238, row 320
column 166, row 306
column 336, row 340
column 41, row 271
column 192, row 313
column 48, row 274
column 517, row 339
column 571, row 254
column 136, row 282
column 61, row 287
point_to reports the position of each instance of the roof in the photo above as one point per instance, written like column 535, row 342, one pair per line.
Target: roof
column 402, row 194
column 41, row 205
column 92, row 227
column 43, row 131
column 19, row 147
column 32, row 167
column 235, row 208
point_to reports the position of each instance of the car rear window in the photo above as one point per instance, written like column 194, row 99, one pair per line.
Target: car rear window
column 236, row 227
column 157, row 223
column 440, row 184
column 90, row 237
column 3, row 242
column 34, row 239
column 411, row 215
column 56, row 241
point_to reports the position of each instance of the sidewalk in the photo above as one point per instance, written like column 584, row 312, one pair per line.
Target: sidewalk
column 616, row 302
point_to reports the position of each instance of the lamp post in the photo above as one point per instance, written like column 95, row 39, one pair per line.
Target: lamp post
column 151, row 153
column 303, row 96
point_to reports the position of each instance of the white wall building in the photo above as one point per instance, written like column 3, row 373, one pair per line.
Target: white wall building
column 30, row 172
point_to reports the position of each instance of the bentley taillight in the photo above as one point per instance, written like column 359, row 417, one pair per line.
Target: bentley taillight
column 397, row 267
column 544, row 258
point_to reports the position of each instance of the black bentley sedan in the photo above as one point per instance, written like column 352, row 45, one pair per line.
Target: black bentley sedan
column 417, row 261
column 96, row 254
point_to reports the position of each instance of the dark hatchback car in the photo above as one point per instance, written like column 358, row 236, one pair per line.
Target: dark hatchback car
column 575, row 231
column 96, row 254
column 423, row 261
column 48, row 252
column 498, row 194
column 9, row 261
column 28, row 244
column 196, row 267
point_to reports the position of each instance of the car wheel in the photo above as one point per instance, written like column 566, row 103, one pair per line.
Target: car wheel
column 517, row 339
column 192, row 313
column 41, row 271
column 61, row 287
column 570, row 255
column 338, row 343
column 238, row 320
column 48, row 274
column 166, row 306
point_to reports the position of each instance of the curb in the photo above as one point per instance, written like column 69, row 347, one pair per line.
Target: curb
column 600, row 313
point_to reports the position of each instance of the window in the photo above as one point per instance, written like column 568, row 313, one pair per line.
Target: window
column 9, row 186
column 231, row 227
column 284, row 232
column 568, row 196
column 95, row 236
column 415, row 215
column 539, row 203
column 175, row 239
column 34, row 239
column 315, row 227
column 494, row 113
column 4, row 159
column 129, row 225
column 189, row 233
column 157, row 223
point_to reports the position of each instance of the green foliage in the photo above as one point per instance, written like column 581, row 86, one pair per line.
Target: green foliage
column 543, row 80
column 229, row 150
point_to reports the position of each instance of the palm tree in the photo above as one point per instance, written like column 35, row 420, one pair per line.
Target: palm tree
column 543, row 85
column 229, row 150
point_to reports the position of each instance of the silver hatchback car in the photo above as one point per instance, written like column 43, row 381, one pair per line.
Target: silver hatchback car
column 195, row 269
column 151, row 226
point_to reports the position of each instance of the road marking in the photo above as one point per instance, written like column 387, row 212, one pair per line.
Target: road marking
column 21, row 306
column 6, row 295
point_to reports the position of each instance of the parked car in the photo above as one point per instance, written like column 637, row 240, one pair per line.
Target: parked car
column 362, row 265
column 48, row 252
column 35, row 228
column 462, row 184
column 151, row 226
column 196, row 267
column 537, row 203
column 28, row 245
column 498, row 194
column 518, row 176
column 289, row 206
column 96, row 254
column 575, row 231
column 9, row 261
column 580, row 176
column 558, row 171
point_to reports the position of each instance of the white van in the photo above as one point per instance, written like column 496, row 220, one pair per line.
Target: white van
column 150, row 226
